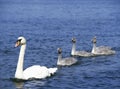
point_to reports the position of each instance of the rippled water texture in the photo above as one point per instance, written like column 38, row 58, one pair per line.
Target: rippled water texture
column 49, row 24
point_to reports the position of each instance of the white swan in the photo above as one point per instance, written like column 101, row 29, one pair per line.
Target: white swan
column 65, row 61
column 79, row 53
column 101, row 50
column 36, row 71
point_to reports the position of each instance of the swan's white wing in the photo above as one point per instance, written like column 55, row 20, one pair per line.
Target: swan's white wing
column 38, row 72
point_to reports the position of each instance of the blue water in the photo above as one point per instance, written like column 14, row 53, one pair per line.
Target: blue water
column 49, row 24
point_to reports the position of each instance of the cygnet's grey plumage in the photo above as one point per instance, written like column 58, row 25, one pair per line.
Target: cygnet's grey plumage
column 65, row 61
column 79, row 53
column 101, row 50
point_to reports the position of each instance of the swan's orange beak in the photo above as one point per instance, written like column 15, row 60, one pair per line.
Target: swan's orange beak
column 17, row 43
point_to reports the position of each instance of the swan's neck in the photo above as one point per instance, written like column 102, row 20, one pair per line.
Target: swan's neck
column 94, row 48
column 59, row 58
column 19, row 69
column 73, row 49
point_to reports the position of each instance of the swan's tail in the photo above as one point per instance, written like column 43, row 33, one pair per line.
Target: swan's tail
column 52, row 70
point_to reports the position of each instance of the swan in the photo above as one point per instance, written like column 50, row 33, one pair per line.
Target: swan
column 35, row 71
column 79, row 53
column 101, row 50
column 65, row 61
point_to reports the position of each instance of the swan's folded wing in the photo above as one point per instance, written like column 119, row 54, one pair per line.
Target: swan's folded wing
column 68, row 61
column 84, row 54
column 104, row 47
column 36, row 71
column 104, row 50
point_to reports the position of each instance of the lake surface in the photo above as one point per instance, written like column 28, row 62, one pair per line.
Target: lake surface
column 49, row 24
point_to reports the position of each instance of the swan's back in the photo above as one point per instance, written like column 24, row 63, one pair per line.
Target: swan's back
column 104, row 50
column 38, row 72
column 83, row 54
column 104, row 47
column 67, row 61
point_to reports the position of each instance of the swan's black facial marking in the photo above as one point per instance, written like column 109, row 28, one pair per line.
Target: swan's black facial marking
column 18, row 43
column 73, row 40
column 19, row 40
column 59, row 50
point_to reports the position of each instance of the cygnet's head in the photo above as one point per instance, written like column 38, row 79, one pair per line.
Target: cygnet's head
column 59, row 50
column 73, row 40
column 94, row 40
column 20, row 41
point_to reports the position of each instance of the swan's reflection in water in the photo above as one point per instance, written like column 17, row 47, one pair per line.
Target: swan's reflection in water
column 19, row 85
column 29, row 84
column 34, row 83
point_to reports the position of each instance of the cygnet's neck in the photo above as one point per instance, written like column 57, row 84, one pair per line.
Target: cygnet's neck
column 94, row 48
column 59, row 58
column 73, row 49
column 19, row 69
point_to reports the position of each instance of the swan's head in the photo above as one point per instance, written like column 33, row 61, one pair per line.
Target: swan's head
column 20, row 41
column 73, row 40
column 59, row 50
column 94, row 40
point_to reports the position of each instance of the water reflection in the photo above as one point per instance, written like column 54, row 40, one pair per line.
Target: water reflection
column 19, row 85
column 34, row 83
